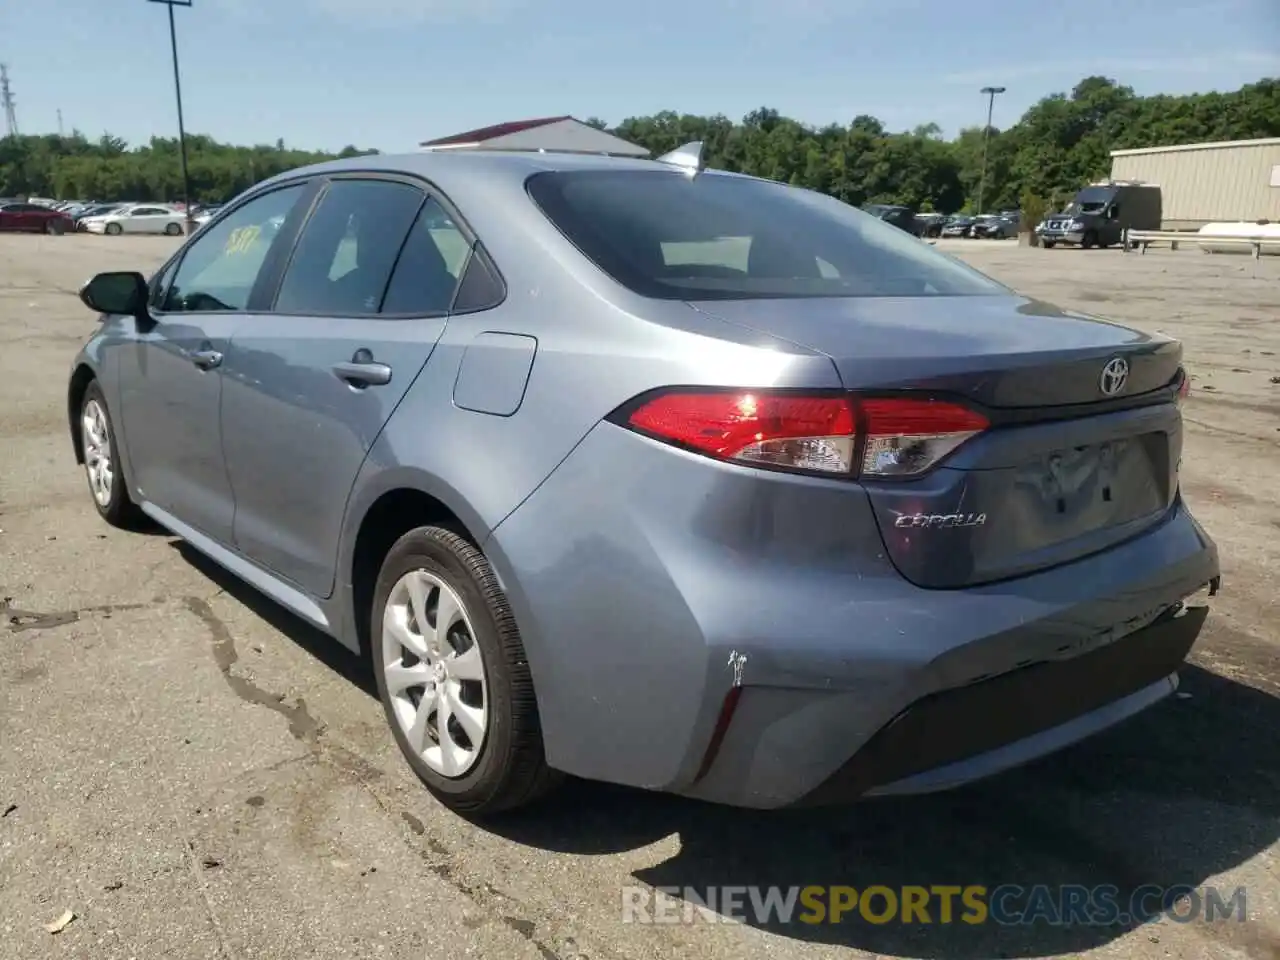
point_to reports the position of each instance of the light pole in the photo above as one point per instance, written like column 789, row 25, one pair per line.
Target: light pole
column 177, row 89
column 986, row 135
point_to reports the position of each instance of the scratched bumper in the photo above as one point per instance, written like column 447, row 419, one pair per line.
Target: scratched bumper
column 646, row 580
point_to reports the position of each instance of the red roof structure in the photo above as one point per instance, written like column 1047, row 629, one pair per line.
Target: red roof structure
column 493, row 132
column 563, row 134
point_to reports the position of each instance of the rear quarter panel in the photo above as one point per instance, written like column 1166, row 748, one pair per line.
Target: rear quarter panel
column 597, row 347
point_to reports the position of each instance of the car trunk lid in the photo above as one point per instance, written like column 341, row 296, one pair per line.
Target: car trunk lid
column 1085, row 437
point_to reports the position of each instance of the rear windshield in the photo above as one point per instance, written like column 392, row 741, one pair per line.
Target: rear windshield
column 716, row 237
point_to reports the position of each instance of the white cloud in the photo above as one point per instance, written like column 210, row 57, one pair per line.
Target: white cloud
column 808, row 14
column 412, row 12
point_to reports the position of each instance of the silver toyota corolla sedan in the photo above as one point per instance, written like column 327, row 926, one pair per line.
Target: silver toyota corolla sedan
column 647, row 473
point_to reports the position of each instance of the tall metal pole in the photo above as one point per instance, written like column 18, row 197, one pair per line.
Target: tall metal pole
column 8, row 103
column 986, row 136
column 177, row 88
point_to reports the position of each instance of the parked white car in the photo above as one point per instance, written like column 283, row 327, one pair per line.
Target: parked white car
column 140, row 219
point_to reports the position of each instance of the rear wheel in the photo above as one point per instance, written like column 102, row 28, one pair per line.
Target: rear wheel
column 172, row 229
column 453, row 676
column 101, row 461
column 112, row 229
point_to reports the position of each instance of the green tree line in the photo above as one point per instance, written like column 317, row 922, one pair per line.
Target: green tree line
column 1060, row 143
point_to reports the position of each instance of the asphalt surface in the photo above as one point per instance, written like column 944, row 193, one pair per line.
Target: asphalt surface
column 194, row 773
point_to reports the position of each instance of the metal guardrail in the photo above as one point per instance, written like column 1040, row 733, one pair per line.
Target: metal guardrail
column 1141, row 239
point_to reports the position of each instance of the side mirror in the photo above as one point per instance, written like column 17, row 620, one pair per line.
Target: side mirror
column 123, row 293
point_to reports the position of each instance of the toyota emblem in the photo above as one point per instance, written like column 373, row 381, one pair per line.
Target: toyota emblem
column 1114, row 376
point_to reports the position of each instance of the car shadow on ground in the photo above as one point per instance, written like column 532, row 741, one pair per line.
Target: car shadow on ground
column 321, row 646
column 1172, row 798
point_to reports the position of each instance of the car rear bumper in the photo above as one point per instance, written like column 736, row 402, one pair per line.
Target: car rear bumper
column 963, row 734
column 741, row 637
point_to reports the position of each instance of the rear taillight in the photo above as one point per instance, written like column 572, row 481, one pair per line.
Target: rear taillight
column 907, row 437
column 872, row 437
column 1184, row 388
column 777, row 430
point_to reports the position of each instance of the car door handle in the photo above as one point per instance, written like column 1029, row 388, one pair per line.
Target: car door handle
column 365, row 373
column 205, row 359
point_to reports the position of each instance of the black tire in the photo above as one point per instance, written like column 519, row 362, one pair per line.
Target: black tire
column 510, row 770
column 55, row 228
column 119, row 510
column 1089, row 240
column 112, row 230
column 1048, row 244
column 172, row 230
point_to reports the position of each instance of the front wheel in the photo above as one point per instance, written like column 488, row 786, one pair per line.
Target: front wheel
column 102, row 462
column 453, row 677
column 112, row 229
column 1048, row 244
column 1090, row 240
column 55, row 228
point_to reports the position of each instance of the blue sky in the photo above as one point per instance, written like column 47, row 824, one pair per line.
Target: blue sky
column 388, row 73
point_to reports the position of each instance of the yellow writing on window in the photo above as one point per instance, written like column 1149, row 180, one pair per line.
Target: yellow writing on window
column 242, row 239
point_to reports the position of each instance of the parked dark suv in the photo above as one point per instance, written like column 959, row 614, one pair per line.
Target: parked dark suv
column 904, row 218
column 1100, row 214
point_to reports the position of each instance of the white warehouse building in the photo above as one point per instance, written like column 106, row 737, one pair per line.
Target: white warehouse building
column 1201, row 183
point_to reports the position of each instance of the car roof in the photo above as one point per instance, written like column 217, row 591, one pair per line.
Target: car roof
column 448, row 168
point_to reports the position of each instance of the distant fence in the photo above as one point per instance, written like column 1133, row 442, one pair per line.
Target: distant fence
column 1141, row 239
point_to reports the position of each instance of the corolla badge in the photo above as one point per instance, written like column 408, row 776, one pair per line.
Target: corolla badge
column 1114, row 376
column 939, row 521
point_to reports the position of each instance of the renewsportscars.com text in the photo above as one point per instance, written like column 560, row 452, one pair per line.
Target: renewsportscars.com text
column 1006, row 905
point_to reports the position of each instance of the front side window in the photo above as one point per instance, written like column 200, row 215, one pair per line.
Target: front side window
column 159, row 286
column 713, row 237
column 222, row 263
column 348, row 248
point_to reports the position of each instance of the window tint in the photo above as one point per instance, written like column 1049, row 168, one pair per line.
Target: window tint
column 668, row 236
column 159, row 286
column 427, row 272
column 481, row 287
column 348, row 248
column 222, row 263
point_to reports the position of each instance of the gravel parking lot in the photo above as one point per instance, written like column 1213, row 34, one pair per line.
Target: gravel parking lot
column 196, row 774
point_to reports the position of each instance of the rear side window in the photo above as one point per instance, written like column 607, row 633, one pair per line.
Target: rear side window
column 426, row 275
column 715, row 237
column 347, row 250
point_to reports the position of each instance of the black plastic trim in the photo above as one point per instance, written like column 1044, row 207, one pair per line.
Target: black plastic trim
column 966, row 722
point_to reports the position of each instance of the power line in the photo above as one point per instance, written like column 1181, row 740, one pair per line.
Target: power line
column 7, row 101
